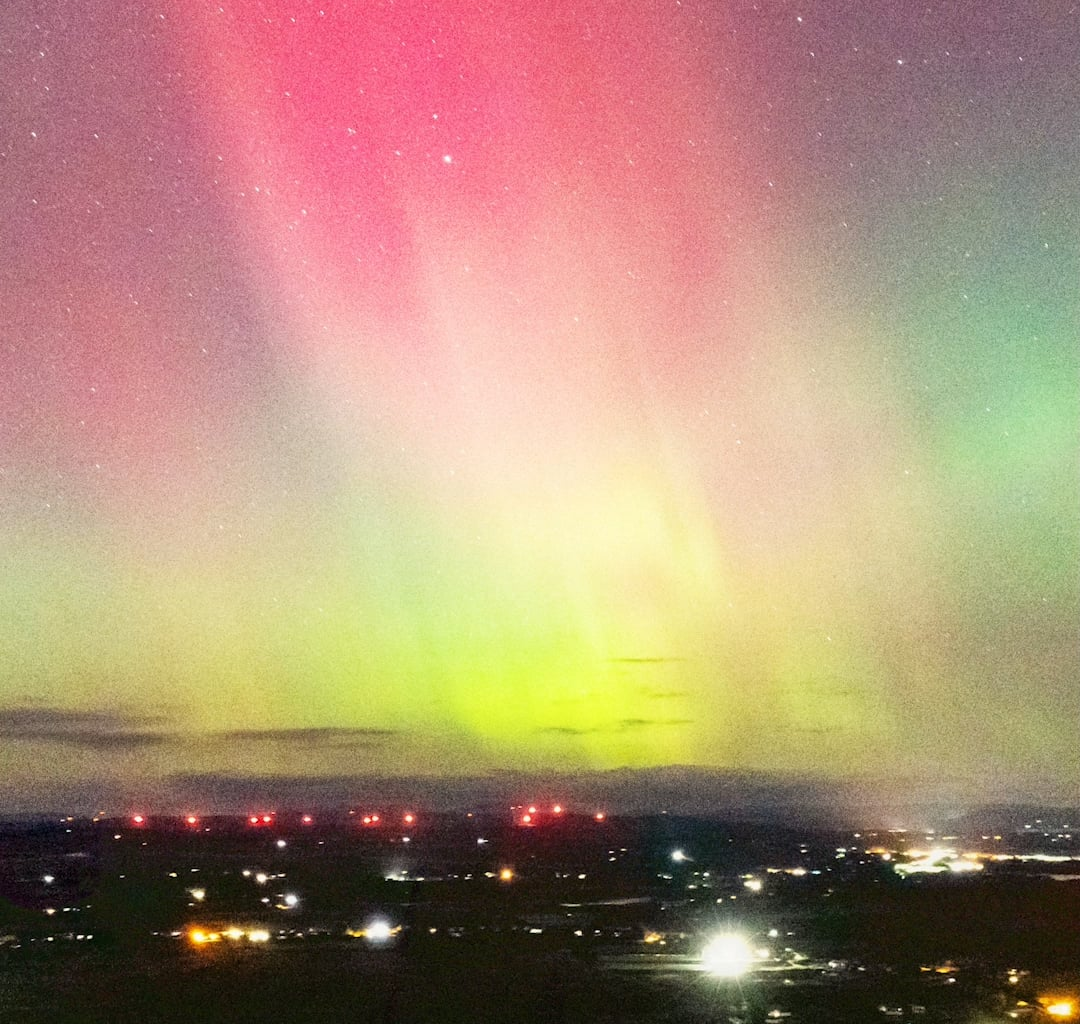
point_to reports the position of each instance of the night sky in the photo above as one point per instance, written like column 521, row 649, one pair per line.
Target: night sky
column 455, row 387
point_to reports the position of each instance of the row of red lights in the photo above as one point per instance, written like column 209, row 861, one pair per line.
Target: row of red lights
column 531, row 814
column 529, row 817
column 259, row 820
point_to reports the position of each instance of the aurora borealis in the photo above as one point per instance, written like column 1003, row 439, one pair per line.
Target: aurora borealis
column 452, row 387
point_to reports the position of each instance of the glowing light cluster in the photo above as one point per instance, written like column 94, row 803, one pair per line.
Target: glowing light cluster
column 234, row 933
column 378, row 932
column 1061, row 1009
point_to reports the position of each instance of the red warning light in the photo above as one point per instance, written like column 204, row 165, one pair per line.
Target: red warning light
column 374, row 819
column 266, row 819
column 599, row 815
column 532, row 810
column 409, row 818
column 526, row 819
column 191, row 819
column 557, row 809
column 253, row 820
column 138, row 819
column 307, row 819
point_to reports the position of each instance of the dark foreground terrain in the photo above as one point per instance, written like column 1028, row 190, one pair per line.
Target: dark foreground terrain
column 483, row 921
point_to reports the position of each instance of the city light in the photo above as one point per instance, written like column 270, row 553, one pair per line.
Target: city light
column 727, row 956
column 377, row 931
column 234, row 933
column 506, row 875
column 1062, row 1009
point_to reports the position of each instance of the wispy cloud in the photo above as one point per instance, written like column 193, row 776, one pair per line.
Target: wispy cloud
column 622, row 725
column 94, row 730
column 333, row 736
column 657, row 660
column 650, row 723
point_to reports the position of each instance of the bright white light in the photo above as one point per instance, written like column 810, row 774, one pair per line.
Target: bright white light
column 281, row 844
column 291, row 899
column 679, row 856
column 727, row 956
column 198, row 894
column 378, row 931
column 258, row 935
column 261, row 878
column 48, row 879
column 753, row 884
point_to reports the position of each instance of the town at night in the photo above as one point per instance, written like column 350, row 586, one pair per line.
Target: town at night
column 536, row 913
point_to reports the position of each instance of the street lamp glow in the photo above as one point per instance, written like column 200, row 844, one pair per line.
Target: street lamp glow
column 1061, row 1010
column 727, row 956
column 378, row 931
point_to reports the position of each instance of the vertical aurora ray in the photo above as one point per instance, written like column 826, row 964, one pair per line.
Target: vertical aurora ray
column 486, row 255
